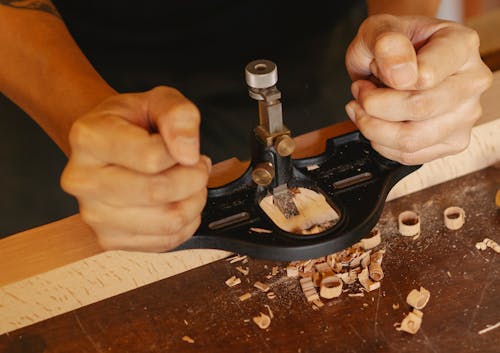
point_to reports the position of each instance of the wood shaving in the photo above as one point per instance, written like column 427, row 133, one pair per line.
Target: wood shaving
column 375, row 271
column 409, row 224
column 236, row 258
column 318, row 303
column 271, row 315
column 412, row 322
column 271, row 295
column 418, row 299
column 308, row 288
column 489, row 328
column 359, row 294
column 261, row 286
column 395, row 306
column 187, row 339
column 244, row 271
column 185, row 322
column 260, row 230
column 233, row 281
column 490, row 244
column 245, row 296
column 372, row 240
column 366, row 282
column 275, row 270
column 454, row 217
column 292, row 271
column 263, row 321
column 331, row 287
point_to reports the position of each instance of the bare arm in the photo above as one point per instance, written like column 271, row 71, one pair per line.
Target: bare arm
column 42, row 69
column 403, row 7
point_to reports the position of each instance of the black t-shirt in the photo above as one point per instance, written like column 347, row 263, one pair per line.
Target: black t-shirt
column 202, row 47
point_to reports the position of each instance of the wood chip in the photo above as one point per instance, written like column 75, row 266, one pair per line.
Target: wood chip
column 233, row 281
column 242, row 270
column 308, row 289
column 412, row 322
column 274, row 270
column 245, row 296
column 236, row 258
column 271, row 315
column 358, row 294
column 395, row 306
column 271, row 295
column 292, row 271
column 260, row 230
column 261, row 286
column 375, row 271
column 365, row 281
column 492, row 244
column 489, row 328
column 187, row 339
column 263, row 321
column 454, row 217
column 418, row 299
column 318, row 303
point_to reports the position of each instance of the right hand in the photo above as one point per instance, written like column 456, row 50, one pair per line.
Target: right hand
column 138, row 189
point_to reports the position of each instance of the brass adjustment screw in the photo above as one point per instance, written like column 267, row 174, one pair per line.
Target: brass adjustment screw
column 263, row 174
column 284, row 145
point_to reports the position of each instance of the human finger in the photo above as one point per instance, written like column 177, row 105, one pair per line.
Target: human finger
column 114, row 240
column 395, row 105
column 121, row 187
column 383, row 47
column 412, row 136
column 110, row 139
column 164, row 219
column 178, row 121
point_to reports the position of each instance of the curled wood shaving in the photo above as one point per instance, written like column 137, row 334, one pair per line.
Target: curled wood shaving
column 365, row 281
column 395, row 306
column 372, row 240
column 274, row 270
column 412, row 322
column 271, row 315
column 488, row 243
column 409, row 224
column 418, row 299
column 292, row 271
column 187, row 339
column 236, row 258
column 454, row 217
column 271, row 295
column 331, row 287
column 233, row 281
column 375, row 271
column 263, row 321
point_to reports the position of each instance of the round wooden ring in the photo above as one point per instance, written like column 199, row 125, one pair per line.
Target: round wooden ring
column 409, row 223
column 454, row 217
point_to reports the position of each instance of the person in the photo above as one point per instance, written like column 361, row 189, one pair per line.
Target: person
column 135, row 165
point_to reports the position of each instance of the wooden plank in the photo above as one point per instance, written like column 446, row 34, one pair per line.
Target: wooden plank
column 20, row 259
column 463, row 282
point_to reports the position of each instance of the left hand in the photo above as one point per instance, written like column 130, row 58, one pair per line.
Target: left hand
column 429, row 79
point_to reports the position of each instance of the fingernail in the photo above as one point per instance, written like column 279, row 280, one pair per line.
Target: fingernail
column 208, row 163
column 350, row 112
column 403, row 74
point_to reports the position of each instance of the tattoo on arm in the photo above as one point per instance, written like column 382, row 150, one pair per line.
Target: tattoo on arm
column 36, row 5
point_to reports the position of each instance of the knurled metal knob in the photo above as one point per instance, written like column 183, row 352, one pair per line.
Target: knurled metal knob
column 261, row 74
column 284, row 145
column 263, row 174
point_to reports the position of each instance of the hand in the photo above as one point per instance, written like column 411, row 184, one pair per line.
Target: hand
column 136, row 170
column 416, row 84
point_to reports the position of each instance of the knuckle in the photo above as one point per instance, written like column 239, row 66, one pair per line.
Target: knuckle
column 91, row 217
column 426, row 77
column 165, row 91
column 158, row 190
column 74, row 182
column 484, row 79
column 174, row 220
column 419, row 106
column 79, row 135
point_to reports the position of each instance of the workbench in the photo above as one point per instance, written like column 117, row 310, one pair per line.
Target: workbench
column 464, row 283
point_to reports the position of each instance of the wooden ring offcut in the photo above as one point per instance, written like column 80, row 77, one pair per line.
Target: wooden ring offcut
column 409, row 223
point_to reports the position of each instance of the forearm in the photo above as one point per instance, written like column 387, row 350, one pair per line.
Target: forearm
column 403, row 7
column 42, row 69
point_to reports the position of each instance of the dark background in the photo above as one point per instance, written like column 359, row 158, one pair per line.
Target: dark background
column 136, row 49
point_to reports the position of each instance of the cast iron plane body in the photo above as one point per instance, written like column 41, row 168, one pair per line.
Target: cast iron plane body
column 350, row 174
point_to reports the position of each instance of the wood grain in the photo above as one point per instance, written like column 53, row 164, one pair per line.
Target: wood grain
column 68, row 251
column 463, row 282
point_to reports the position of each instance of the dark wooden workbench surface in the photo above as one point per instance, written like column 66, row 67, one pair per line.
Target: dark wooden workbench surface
column 464, row 284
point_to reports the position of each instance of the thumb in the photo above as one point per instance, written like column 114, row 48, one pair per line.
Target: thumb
column 178, row 121
column 383, row 48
